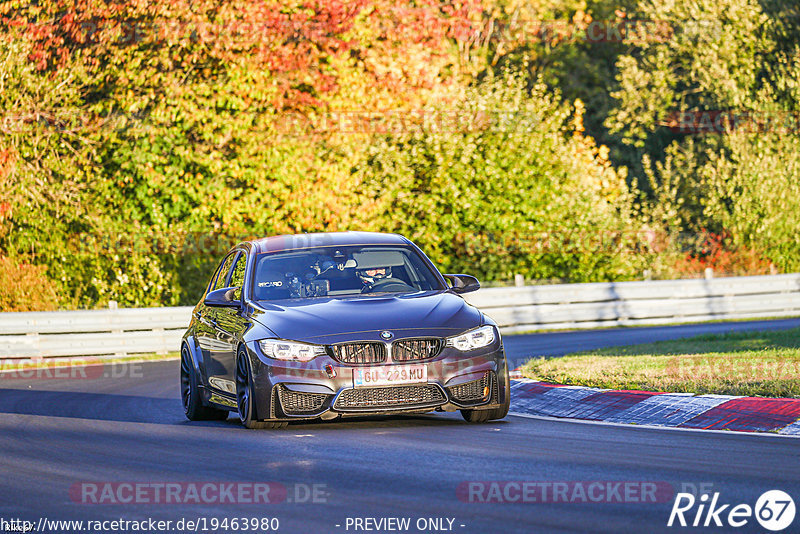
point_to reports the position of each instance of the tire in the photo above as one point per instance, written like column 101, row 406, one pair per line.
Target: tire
column 482, row 416
column 475, row 416
column 501, row 411
column 193, row 405
column 244, row 395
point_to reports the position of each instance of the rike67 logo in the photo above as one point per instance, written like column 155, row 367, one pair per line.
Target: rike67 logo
column 774, row 510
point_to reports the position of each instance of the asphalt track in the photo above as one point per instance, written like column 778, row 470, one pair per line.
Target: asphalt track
column 56, row 433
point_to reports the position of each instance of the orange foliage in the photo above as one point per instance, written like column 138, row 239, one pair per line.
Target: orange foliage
column 25, row 287
column 7, row 162
column 301, row 44
column 719, row 253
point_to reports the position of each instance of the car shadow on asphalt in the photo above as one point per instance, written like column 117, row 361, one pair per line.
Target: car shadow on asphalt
column 153, row 410
column 97, row 406
column 366, row 423
column 379, row 421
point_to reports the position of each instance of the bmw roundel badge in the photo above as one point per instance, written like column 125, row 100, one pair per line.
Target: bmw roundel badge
column 387, row 335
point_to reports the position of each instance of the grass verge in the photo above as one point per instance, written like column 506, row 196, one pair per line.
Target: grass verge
column 763, row 364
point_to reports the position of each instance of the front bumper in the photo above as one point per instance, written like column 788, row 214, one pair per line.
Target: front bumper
column 324, row 387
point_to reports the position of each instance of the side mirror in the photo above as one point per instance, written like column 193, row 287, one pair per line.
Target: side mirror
column 463, row 283
column 222, row 298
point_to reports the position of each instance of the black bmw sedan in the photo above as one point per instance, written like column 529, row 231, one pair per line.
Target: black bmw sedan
column 321, row 326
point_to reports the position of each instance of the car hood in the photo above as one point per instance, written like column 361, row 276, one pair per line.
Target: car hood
column 333, row 320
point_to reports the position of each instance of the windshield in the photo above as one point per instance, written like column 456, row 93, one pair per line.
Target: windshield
column 341, row 271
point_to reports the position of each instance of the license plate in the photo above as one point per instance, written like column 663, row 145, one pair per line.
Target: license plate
column 390, row 375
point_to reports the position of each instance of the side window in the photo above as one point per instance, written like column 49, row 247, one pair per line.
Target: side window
column 213, row 281
column 223, row 271
column 237, row 275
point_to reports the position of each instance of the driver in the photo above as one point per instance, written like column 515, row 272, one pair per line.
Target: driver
column 370, row 276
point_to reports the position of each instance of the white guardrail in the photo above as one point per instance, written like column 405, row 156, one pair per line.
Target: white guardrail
column 516, row 309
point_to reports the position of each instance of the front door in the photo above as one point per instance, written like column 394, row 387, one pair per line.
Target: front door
column 207, row 333
column 229, row 328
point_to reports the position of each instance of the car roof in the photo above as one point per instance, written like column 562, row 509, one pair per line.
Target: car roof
column 324, row 239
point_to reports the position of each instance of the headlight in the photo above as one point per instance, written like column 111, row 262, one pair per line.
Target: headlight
column 290, row 350
column 474, row 339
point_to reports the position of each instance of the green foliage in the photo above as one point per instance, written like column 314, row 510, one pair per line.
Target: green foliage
column 508, row 189
column 744, row 185
column 140, row 158
column 741, row 58
column 141, row 140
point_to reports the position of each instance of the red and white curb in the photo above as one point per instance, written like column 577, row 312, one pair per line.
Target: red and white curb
column 680, row 410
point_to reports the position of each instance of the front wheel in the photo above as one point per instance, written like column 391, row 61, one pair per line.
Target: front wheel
column 245, row 397
column 482, row 416
column 190, row 393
